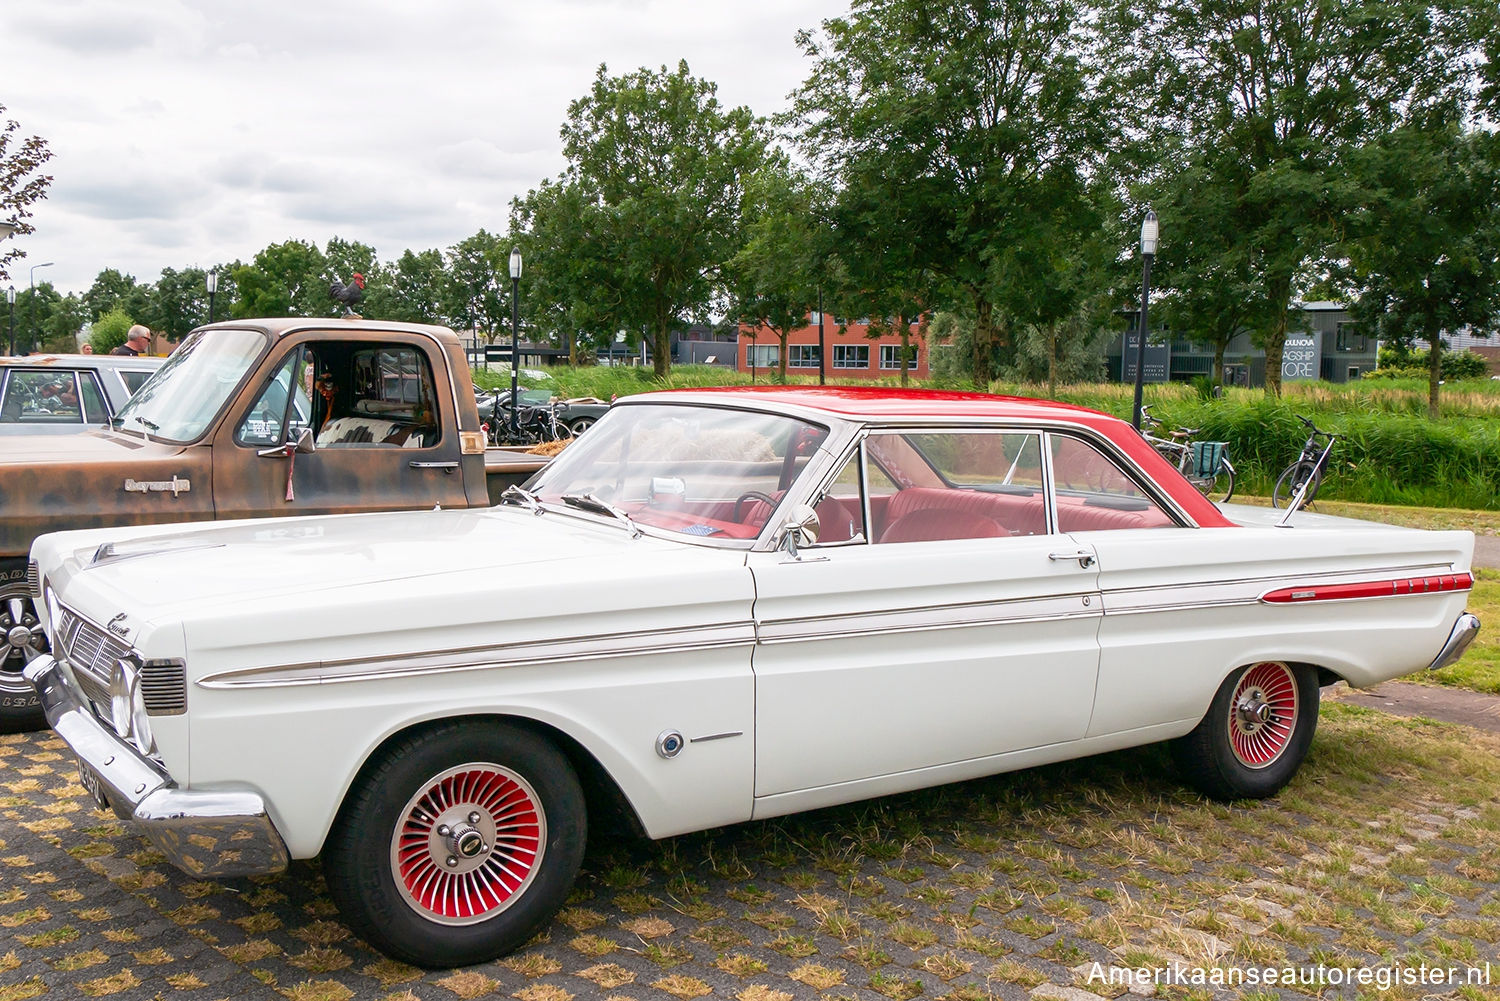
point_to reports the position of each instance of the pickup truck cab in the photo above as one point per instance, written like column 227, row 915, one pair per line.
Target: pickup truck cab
column 251, row 419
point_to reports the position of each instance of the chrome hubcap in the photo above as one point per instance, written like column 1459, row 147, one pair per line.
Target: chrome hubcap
column 23, row 640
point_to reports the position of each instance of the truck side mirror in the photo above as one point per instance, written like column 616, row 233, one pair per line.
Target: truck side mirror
column 304, row 441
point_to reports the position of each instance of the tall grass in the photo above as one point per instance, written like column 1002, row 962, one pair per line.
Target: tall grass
column 1391, row 453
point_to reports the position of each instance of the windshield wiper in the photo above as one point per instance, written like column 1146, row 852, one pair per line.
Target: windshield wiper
column 515, row 494
column 588, row 502
column 148, row 425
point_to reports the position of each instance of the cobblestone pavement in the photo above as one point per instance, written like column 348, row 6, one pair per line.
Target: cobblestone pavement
column 1386, row 848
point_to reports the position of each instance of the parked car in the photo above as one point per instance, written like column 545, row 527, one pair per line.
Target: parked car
column 716, row 606
column 65, row 394
column 574, row 416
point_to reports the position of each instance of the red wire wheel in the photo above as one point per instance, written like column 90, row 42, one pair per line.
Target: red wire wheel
column 468, row 844
column 1263, row 714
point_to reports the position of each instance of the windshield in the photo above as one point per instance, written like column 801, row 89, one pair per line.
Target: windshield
column 185, row 394
column 699, row 472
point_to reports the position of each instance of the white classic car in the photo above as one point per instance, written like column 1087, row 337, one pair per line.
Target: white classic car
column 717, row 606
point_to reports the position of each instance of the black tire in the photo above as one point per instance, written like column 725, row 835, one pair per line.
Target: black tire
column 21, row 641
column 1241, row 753
column 579, row 425
column 501, row 769
column 1291, row 481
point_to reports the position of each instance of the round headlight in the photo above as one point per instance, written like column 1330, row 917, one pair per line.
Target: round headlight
column 127, row 708
column 121, row 683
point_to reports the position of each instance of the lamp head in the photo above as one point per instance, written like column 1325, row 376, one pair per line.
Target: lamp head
column 515, row 262
column 1150, row 233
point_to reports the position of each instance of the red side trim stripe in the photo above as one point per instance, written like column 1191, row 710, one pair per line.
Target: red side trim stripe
column 1370, row 589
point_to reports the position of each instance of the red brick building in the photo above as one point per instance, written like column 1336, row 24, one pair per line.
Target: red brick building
column 852, row 354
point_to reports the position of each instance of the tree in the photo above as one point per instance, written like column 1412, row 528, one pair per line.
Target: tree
column 1424, row 246
column 284, row 279
column 21, row 184
column 62, row 323
column 112, row 290
column 661, row 166
column 775, row 276
column 1285, row 90
column 109, row 330
column 978, row 123
column 574, row 293
column 477, row 284
column 177, row 303
column 415, row 289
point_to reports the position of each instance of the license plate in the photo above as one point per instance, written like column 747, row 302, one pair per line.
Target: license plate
column 92, row 785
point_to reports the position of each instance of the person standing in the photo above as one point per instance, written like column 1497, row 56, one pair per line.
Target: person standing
column 136, row 341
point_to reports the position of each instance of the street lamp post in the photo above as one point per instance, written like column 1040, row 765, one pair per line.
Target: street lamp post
column 213, row 290
column 822, row 367
column 1149, row 234
column 31, row 303
column 10, row 297
column 515, row 342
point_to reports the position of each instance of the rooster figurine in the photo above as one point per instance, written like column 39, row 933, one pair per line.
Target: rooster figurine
column 349, row 294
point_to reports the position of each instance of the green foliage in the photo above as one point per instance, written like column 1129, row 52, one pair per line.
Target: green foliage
column 648, row 211
column 1396, row 363
column 21, row 184
column 285, row 279
column 962, row 138
column 177, row 302
column 114, row 290
column 109, row 331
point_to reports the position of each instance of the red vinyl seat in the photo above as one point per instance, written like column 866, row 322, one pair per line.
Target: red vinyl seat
column 935, row 524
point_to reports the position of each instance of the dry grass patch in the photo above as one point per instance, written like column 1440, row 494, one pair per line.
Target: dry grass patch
column 468, row 984
column 819, row 978
column 607, row 975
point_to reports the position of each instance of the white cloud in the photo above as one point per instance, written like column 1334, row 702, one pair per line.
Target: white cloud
column 193, row 131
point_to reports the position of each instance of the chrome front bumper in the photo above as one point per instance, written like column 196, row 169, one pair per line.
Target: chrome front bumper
column 1464, row 631
column 202, row 832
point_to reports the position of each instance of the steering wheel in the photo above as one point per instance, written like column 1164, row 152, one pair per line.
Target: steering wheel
column 751, row 495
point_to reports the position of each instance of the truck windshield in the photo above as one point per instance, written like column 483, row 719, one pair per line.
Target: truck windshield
column 179, row 402
column 702, row 473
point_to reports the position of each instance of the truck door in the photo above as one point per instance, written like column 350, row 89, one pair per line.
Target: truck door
column 381, row 413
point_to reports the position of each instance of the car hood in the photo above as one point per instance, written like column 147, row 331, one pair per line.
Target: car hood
column 80, row 447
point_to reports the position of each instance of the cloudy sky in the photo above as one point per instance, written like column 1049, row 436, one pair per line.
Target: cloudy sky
column 192, row 132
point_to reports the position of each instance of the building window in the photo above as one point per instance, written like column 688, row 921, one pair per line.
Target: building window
column 802, row 356
column 890, row 356
column 1348, row 338
column 851, row 356
column 762, row 355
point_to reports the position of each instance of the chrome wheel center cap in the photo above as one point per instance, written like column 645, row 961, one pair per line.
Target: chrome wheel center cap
column 1254, row 710
column 466, row 841
column 18, row 636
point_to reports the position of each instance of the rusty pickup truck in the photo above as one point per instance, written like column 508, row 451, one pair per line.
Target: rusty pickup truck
column 251, row 419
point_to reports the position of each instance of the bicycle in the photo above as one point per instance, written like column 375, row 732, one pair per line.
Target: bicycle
column 1205, row 464
column 1299, row 482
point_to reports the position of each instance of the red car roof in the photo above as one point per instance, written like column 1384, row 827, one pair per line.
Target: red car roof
column 876, row 402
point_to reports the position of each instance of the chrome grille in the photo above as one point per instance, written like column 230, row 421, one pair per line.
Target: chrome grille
column 91, row 652
column 164, row 687
column 34, row 579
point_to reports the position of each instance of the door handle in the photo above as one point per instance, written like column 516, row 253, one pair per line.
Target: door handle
column 1084, row 557
column 449, row 466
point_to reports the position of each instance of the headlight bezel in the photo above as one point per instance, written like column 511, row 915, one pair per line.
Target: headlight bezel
column 127, row 706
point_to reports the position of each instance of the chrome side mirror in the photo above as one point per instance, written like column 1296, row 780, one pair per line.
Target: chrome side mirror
column 304, row 442
column 800, row 529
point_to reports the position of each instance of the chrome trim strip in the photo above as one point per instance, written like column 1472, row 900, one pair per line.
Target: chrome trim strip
column 1231, row 591
column 717, row 736
column 925, row 619
column 536, row 652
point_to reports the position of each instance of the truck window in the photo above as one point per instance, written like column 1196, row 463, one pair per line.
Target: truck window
column 375, row 396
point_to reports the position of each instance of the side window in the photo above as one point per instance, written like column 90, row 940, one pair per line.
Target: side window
column 389, row 400
column 957, row 485
column 1093, row 493
column 133, row 380
column 94, row 410
column 262, row 425
column 41, row 397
